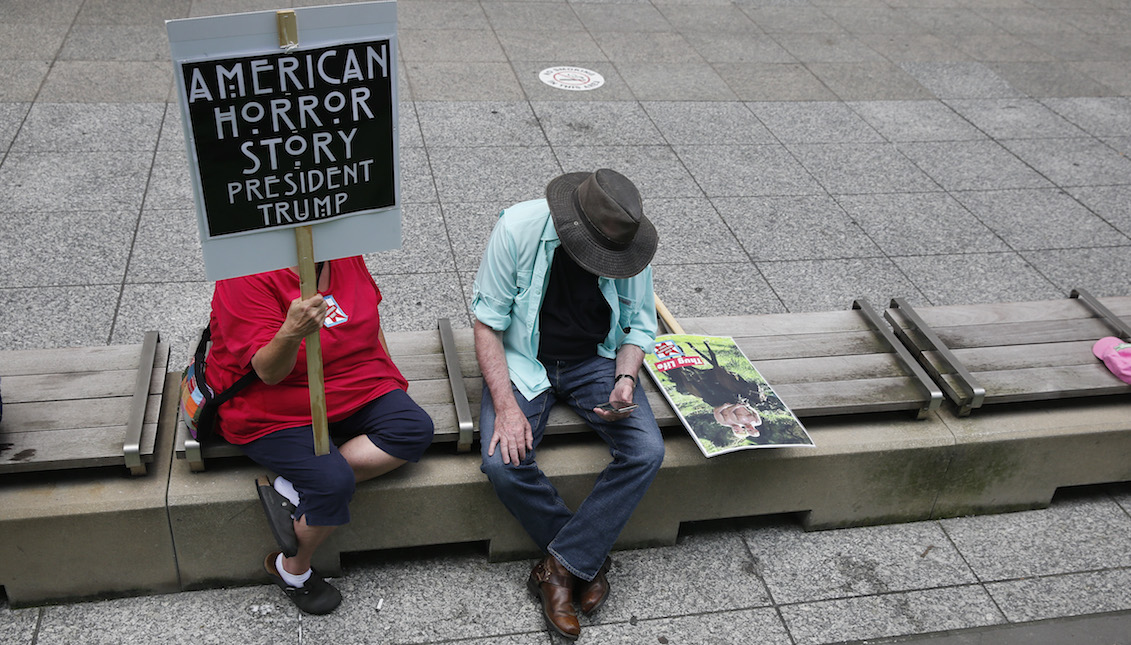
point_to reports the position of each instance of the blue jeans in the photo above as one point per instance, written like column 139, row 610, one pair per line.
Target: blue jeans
column 580, row 540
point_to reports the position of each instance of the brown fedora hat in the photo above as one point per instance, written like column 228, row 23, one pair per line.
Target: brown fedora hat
column 601, row 222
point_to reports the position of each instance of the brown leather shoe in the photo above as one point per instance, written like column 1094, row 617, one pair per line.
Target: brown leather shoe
column 591, row 595
column 552, row 584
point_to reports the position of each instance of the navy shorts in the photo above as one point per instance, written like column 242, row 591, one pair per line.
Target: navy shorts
column 325, row 483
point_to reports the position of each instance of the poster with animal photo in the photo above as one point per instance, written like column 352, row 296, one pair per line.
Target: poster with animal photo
column 721, row 397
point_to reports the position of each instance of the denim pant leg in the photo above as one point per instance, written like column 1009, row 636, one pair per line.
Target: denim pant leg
column 523, row 488
column 637, row 448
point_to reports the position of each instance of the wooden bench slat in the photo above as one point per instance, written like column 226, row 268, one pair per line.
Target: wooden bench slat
column 77, row 385
column 1044, row 383
column 24, row 362
column 760, row 348
column 1013, row 312
column 988, row 359
column 819, row 322
column 69, row 448
column 830, row 369
column 60, row 415
column 1034, row 333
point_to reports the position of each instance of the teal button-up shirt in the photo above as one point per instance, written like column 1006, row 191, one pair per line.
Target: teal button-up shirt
column 512, row 281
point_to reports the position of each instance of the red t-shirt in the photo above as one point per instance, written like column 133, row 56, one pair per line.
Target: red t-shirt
column 246, row 314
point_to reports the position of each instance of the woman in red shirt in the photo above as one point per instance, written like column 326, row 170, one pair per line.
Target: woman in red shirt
column 259, row 323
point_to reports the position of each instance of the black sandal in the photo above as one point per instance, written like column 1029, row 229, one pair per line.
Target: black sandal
column 279, row 513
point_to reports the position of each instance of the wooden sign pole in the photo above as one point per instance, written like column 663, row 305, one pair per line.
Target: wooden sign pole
column 308, row 282
column 287, row 27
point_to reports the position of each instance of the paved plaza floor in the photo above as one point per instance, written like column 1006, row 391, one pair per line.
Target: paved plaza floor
column 794, row 155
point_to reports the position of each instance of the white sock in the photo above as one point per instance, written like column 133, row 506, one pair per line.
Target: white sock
column 290, row 578
column 286, row 489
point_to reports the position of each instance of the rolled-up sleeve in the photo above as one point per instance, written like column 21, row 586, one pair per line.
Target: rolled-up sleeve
column 642, row 325
column 496, row 283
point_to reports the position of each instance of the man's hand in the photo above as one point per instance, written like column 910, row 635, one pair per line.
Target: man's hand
column 622, row 391
column 512, row 435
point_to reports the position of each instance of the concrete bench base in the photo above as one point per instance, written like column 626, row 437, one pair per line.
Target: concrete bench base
column 862, row 472
column 75, row 535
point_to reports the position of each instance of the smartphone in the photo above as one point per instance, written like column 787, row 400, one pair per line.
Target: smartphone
column 618, row 406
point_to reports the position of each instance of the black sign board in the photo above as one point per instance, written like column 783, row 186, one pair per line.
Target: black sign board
column 292, row 138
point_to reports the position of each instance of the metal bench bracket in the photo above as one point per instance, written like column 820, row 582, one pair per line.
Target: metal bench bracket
column 131, row 447
column 934, row 393
column 1114, row 321
column 459, row 392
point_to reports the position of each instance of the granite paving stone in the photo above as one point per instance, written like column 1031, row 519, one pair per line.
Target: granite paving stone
column 1040, row 219
column 706, row 122
column 20, row 79
column 177, row 310
column 51, row 181
column 724, row 628
column 1074, row 594
column 738, row 48
column 853, row 619
column 645, row 47
column 1112, row 203
column 458, row 81
column 170, row 181
column 1073, row 162
column 550, row 16
column 424, row 246
column 999, row 45
column 773, row 82
column 413, row 302
column 445, row 45
column 1102, row 271
column 539, row 42
column 717, row 18
column 1018, row 118
column 971, row 278
column 801, row 227
column 715, row 289
column 1110, row 73
column 918, row 47
column 458, row 123
column 166, row 247
column 12, row 116
column 672, row 581
column 68, row 316
column 952, row 20
column 801, row 567
column 1034, row 543
column 1108, row 116
column 417, row 185
column 676, row 81
column 854, row 168
column 869, row 80
column 690, row 231
column 30, row 41
column 972, row 165
column 52, row 12
column 747, row 170
column 832, row 285
column 505, row 174
column 441, row 14
column 133, row 12
column 656, row 170
column 828, row 48
column 621, row 17
column 219, row 7
column 813, row 122
column 17, row 626
column 786, row 19
column 86, row 127
column 919, row 223
column 254, row 616
column 916, row 121
column 67, row 247
column 142, row 42
column 408, row 126
column 960, row 80
column 1049, row 79
column 597, row 123
column 107, row 82
column 474, row 222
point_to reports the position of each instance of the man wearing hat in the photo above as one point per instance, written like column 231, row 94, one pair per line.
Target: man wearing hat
column 565, row 312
